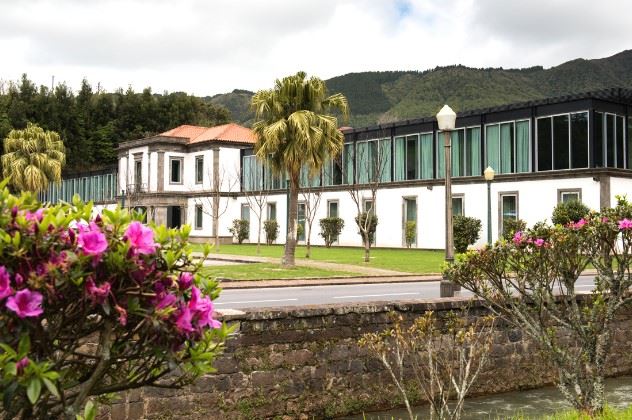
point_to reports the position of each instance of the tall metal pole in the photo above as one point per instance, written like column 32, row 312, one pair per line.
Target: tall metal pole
column 449, row 244
column 447, row 288
column 489, row 212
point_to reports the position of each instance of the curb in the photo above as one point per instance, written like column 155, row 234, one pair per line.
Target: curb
column 332, row 281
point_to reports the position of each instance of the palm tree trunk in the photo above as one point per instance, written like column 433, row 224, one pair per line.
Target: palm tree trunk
column 290, row 241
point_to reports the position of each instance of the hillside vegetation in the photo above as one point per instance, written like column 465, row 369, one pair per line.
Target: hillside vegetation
column 378, row 97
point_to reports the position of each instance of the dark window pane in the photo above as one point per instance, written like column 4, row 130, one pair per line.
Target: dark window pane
column 560, row 142
column 579, row 140
column 620, row 154
column 544, row 144
column 629, row 143
column 411, row 157
column 610, row 148
column 598, row 141
column 175, row 170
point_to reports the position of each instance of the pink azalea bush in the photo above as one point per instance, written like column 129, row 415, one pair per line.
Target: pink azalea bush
column 90, row 307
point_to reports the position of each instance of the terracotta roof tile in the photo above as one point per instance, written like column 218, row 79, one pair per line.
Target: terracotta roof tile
column 227, row 132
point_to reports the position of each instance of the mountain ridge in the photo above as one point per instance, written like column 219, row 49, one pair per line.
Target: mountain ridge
column 385, row 96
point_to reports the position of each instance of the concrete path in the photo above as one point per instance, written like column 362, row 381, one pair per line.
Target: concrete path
column 302, row 262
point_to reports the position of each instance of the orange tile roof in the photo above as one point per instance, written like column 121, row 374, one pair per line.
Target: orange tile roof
column 227, row 132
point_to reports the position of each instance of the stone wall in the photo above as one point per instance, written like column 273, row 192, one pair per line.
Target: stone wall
column 305, row 363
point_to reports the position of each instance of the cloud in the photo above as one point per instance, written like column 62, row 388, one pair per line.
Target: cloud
column 208, row 47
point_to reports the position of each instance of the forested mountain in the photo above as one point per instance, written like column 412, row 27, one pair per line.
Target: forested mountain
column 92, row 124
column 376, row 97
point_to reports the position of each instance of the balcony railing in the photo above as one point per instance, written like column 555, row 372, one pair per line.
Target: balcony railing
column 136, row 188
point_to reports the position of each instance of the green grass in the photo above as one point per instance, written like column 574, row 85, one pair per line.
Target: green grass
column 405, row 260
column 265, row 271
column 608, row 414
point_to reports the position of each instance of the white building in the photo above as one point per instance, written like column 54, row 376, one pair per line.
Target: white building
column 572, row 147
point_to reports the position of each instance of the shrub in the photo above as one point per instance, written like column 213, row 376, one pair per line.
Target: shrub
column 569, row 211
column 369, row 221
column 410, row 233
column 67, row 280
column 466, row 232
column 271, row 228
column 511, row 226
column 240, row 230
column 300, row 230
column 330, row 228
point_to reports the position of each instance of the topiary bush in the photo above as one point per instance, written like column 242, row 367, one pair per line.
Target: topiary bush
column 240, row 230
column 271, row 228
column 511, row 226
column 330, row 228
column 466, row 232
column 569, row 211
column 95, row 306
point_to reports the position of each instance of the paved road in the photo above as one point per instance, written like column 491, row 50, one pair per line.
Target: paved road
column 314, row 295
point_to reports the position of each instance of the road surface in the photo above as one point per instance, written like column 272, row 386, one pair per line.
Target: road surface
column 355, row 293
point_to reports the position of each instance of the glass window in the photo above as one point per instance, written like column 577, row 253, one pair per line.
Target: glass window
column 522, row 146
column 457, row 141
column 332, row 172
column 412, row 155
column 598, row 144
column 564, row 196
column 199, row 169
column 472, row 151
column 383, row 165
column 332, row 208
column 425, row 155
column 629, row 144
column 619, row 136
column 492, row 146
column 175, row 176
column 138, row 174
column 440, row 154
column 610, row 141
column 579, row 140
column 506, row 148
column 545, row 142
column 271, row 211
column 348, row 159
column 252, row 173
column 561, row 140
column 508, row 208
column 457, row 206
column 245, row 212
column 199, row 215
column 410, row 215
column 307, row 179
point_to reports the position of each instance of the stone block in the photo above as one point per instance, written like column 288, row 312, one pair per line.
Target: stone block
column 262, row 378
column 136, row 411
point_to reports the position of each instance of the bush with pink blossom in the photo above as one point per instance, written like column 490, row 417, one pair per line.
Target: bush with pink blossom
column 94, row 306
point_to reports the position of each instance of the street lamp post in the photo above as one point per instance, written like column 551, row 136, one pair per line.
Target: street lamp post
column 489, row 177
column 446, row 119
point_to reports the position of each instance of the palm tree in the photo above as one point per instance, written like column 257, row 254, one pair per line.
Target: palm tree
column 294, row 129
column 33, row 158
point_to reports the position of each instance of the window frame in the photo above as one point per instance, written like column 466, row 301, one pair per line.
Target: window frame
column 440, row 154
column 531, row 136
column 405, row 200
column 502, row 194
column 180, row 174
column 563, row 191
column 199, row 162
column 570, row 141
column 329, row 203
column 269, row 204
column 199, row 217
column 461, row 197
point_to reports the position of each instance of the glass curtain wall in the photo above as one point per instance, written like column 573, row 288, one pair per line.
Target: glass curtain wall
column 466, row 152
column 95, row 188
column 252, row 173
column 507, row 146
column 562, row 142
column 373, row 159
column 348, row 157
column 413, row 157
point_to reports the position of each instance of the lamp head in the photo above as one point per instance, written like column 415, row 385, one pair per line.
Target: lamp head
column 489, row 173
column 446, row 118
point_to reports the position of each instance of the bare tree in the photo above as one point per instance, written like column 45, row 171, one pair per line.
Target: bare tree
column 257, row 197
column 443, row 356
column 371, row 170
column 311, row 199
column 221, row 186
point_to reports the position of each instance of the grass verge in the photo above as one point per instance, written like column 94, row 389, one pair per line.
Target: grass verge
column 265, row 271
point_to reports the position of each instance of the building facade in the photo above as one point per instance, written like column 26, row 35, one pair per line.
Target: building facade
column 543, row 152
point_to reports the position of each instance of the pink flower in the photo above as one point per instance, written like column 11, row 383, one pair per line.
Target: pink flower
column 97, row 294
column 604, row 220
column 122, row 315
column 21, row 364
column 141, row 238
column 203, row 308
column 183, row 320
column 34, row 217
column 26, row 303
column 625, row 224
column 185, row 280
column 517, row 237
column 5, row 283
column 165, row 300
column 577, row 225
column 539, row 242
column 19, row 279
column 92, row 241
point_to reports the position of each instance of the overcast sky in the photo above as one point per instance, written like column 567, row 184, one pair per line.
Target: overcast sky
column 206, row 47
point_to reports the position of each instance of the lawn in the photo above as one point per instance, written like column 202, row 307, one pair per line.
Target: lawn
column 404, row 260
column 264, row 271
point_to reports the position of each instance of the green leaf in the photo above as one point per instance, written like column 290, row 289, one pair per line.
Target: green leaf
column 24, row 345
column 90, row 411
column 34, row 390
column 10, row 369
column 52, row 388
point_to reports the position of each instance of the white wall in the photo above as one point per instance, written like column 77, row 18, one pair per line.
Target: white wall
column 620, row 186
